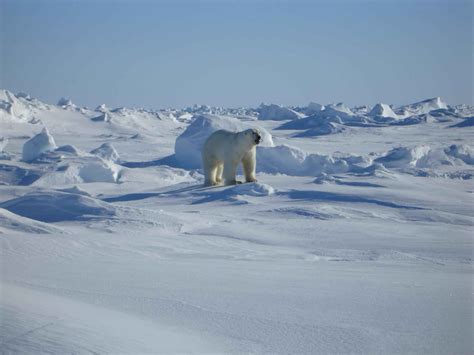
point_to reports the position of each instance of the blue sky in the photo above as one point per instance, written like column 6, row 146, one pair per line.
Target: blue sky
column 237, row 53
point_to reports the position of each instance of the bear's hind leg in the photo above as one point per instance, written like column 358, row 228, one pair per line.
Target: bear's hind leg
column 210, row 174
column 220, row 170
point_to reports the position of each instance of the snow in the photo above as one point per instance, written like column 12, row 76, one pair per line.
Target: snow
column 107, row 152
column 57, row 206
column 355, row 241
column 313, row 108
column 104, row 117
column 3, row 143
column 422, row 107
column 425, row 156
column 40, row 143
column 277, row 113
column 382, row 110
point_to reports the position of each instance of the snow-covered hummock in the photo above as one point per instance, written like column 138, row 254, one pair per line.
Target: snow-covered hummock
column 285, row 159
column 55, row 206
column 323, row 129
column 338, row 109
column 70, row 149
column 422, row 107
column 83, row 169
column 65, row 103
column 107, row 152
column 104, row 117
column 382, row 110
column 102, row 108
column 277, row 113
column 12, row 107
column 37, row 145
column 3, row 143
column 313, row 108
column 424, row 156
column 189, row 144
column 11, row 222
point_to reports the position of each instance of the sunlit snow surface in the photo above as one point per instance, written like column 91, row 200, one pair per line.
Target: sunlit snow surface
column 357, row 237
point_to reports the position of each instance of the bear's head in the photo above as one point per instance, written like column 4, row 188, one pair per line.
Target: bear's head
column 253, row 135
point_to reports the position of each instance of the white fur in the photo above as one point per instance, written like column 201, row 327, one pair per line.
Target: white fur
column 222, row 153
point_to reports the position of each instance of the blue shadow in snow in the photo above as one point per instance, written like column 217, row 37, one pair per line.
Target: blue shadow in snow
column 145, row 195
column 170, row 160
column 338, row 197
column 358, row 183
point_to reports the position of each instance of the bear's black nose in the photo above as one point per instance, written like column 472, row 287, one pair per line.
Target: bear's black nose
column 258, row 139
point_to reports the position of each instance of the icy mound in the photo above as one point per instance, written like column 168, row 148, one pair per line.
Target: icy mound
column 463, row 152
column 86, row 169
column 338, row 109
column 4, row 155
column 104, row 117
column 284, row 159
column 99, row 171
column 467, row 122
column 11, row 222
column 3, row 143
column 66, row 104
column 313, row 108
column 138, row 119
column 70, row 149
column 405, row 156
column 382, row 110
column 13, row 107
column 55, row 206
column 102, row 108
column 277, row 113
column 37, row 145
column 323, row 129
column 423, row 156
column 422, row 107
column 106, row 151
column 189, row 144
column 314, row 121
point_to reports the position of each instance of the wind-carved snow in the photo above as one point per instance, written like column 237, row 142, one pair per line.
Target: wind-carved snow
column 107, row 152
column 40, row 143
column 111, row 243
column 422, row 107
column 382, row 110
column 58, row 206
column 277, row 113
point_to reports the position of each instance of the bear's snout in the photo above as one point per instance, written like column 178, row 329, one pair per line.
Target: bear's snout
column 258, row 139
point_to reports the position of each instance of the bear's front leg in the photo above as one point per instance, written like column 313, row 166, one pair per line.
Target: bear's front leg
column 249, row 163
column 230, row 170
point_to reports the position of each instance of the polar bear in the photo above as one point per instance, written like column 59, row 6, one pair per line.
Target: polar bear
column 224, row 150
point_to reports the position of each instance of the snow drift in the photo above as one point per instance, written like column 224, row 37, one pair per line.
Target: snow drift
column 284, row 159
column 83, row 169
column 423, row 156
column 422, row 107
column 277, row 113
column 56, row 206
column 107, row 151
column 37, row 145
column 189, row 144
column 382, row 110
column 12, row 222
